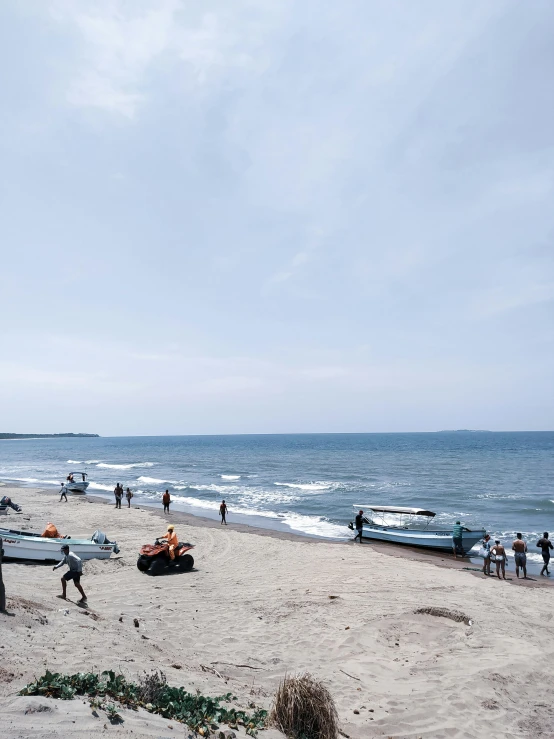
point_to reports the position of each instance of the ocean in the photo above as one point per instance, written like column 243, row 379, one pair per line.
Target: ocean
column 310, row 483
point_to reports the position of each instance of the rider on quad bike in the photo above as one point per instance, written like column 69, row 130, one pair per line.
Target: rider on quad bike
column 165, row 553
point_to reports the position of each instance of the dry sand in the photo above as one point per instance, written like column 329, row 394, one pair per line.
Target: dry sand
column 259, row 606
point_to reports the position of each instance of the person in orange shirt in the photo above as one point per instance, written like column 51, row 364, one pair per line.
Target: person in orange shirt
column 172, row 540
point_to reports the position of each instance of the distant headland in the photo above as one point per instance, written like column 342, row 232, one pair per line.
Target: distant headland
column 47, row 436
column 464, row 431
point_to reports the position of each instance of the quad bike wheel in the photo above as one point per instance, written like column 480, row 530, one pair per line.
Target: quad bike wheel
column 186, row 562
column 143, row 564
column 157, row 567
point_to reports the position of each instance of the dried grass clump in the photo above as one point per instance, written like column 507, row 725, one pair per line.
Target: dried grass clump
column 304, row 709
column 151, row 686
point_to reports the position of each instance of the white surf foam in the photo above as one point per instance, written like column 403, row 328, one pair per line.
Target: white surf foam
column 99, row 486
column 106, row 466
column 153, row 481
column 230, row 477
column 75, row 461
column 314, row 487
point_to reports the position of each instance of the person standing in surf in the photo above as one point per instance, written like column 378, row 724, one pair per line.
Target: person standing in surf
column 546, row 545
column 223, row 512
column 166, row 500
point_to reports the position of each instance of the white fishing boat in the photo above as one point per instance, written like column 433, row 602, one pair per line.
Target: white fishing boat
column 76, row 487
column 412, row 526
column 32, row 546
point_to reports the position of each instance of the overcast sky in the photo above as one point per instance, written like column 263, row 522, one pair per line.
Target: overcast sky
column 276, row 216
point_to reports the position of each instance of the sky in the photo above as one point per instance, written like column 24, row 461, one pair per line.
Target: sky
column 268, row 216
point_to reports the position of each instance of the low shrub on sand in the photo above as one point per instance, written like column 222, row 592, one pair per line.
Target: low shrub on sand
column 304, row 709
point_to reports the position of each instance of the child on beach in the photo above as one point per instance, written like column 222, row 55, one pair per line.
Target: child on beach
column 129, row 495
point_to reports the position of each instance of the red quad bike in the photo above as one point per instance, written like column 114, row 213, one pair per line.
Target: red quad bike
column 154, row 558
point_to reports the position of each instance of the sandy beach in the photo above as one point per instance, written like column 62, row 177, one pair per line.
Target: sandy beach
column 260, row 605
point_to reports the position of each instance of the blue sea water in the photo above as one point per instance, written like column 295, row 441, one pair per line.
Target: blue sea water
column 309, row 483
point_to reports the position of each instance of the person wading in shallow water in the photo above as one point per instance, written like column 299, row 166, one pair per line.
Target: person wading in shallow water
column 500, row 557
column 223, row 512
column 166, row 500
column 546, row 545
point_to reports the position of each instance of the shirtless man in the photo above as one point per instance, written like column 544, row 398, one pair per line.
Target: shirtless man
column 500, row 557
column 520, row 556
column 546, row 545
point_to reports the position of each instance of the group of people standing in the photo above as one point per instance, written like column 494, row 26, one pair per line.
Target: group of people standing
column 118, row 492
column 497, row 553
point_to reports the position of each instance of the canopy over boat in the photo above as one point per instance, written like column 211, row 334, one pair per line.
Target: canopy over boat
column 395, row 509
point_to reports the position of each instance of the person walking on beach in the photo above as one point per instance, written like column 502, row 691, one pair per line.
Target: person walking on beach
column 486, row 550
column 546, row 545
column 118, row 492
column 520, row 556
column 74, row 573
column 129, row 495
column 63, row 494
column 457, row 541
column 166, row 500
column 359, row 524
column 223, row 512
column 500, row 557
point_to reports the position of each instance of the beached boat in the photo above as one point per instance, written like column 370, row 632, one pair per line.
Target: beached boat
column 32, row 546
column 412, row 526
column 76, row 487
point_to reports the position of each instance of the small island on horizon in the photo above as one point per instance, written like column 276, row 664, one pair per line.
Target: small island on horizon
column 48, row 436
column 464, row 431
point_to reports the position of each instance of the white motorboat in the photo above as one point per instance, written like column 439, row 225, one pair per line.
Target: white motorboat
column 76, row 487
column 411, row 526
column 32, row 546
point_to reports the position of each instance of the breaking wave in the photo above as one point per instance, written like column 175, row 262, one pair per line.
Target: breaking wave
column 105, row 466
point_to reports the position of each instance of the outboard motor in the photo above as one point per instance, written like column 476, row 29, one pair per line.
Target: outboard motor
column 99, row 537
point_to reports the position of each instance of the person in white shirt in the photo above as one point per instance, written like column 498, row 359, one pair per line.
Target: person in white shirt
column 74, row 573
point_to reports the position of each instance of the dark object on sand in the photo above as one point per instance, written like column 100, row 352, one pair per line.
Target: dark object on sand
column 155, row 559
column 6, row 503
column 304, row 708
column 446, row 613
column 2, row 588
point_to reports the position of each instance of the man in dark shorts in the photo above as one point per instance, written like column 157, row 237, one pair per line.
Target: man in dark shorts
column 118, row 492
column 166, row 500
column 546, row 545
column 359, row 524
column 223, row 512
column 520, row 556
column 74, row 573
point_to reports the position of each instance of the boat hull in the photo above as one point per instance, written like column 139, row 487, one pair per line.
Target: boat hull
column 437, row 539
column 76, row 488
column 42, row 549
